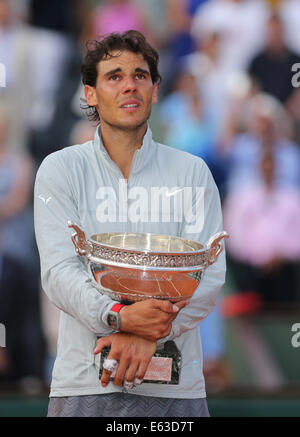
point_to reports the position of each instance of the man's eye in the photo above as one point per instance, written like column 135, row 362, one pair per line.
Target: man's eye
column 140, row 76
column 114, row 77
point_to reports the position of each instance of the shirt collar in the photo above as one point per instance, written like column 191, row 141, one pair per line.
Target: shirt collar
column 141, row 155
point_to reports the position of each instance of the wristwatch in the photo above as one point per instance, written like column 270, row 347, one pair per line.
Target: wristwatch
column 113, row 317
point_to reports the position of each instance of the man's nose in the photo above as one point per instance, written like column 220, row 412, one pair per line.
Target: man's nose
column 129, row 85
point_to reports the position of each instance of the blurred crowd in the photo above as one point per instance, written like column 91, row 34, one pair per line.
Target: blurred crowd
column 227, row 96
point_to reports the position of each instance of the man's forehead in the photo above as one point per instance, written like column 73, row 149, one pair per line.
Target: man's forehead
column 123, row 60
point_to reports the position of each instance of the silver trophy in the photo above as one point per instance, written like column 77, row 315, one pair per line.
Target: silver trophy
column 129, row 267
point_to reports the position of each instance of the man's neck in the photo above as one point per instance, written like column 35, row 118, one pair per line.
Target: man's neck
column 277, row 50
column 122, row 144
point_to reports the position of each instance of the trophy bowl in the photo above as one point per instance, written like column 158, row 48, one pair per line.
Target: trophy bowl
column 129, row 267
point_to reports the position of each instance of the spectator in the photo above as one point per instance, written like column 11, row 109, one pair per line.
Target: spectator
column 34, row 59
column 156, row 15
column 271, row 69
column 266, row 126
column 293, row 106
column 289, row 11
column 174, row 40
column 233, row 19
column 16, row 41
column 181, row 41
column 188, row 125
column 16, row 179
column 68, row 88
column 263, row 221
column 205, row 65
column 118, row 16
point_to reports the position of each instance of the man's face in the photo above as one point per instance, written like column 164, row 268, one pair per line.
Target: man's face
column 124, row 91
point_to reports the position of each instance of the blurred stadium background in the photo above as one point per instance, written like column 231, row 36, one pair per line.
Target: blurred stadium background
column 230, row 94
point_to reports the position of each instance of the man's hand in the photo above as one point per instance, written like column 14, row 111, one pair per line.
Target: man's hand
column 151, row 319
column 133, row 354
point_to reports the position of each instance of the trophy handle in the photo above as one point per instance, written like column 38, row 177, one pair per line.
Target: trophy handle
column 82, row 246
column 214, row 246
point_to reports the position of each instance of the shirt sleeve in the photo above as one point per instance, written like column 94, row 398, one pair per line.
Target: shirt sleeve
column 207, row 209
column 64, row 275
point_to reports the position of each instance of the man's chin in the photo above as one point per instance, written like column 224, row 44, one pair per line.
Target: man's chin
column 128, row 125
column 133, row 127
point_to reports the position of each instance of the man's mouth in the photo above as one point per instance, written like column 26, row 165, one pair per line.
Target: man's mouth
column 131, row 105
column 134, row 105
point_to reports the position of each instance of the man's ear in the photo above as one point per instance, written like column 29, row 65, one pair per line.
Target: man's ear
column 155, row 93
column 90, row 95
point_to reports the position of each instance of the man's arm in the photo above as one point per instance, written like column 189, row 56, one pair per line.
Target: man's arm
column 64, row 276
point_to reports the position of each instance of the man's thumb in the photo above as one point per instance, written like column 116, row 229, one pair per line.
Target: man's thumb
column 167, row 306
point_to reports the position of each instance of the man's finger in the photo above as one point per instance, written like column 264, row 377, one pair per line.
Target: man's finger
column 105, row 378
column 101, row 343
column 106, row 374
column 165, row 305
column 182, row 304
column 142, row 369
column 130, row 375
column 121, row 371
column 167, row 331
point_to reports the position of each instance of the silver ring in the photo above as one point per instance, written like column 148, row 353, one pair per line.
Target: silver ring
column 110, row 364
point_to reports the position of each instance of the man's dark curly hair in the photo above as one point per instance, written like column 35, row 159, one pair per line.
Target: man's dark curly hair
column 132, row 41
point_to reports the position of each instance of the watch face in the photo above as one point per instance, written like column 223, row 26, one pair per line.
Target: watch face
column 112, row 320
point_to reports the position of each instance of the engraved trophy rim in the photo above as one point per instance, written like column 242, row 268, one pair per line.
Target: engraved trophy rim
column 199, row 258
column 148, row 235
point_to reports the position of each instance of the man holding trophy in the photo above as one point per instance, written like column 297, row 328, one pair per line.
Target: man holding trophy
column 152, row 365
